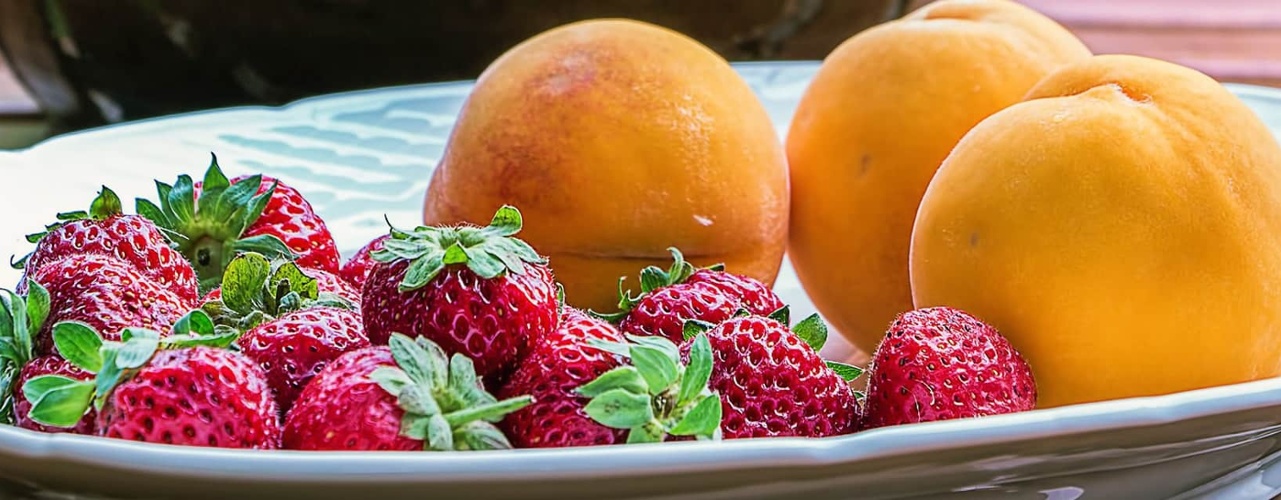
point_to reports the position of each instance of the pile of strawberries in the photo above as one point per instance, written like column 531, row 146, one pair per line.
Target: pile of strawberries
column 220, row 316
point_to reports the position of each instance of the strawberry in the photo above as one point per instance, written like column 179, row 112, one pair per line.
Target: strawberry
column 106, row 293
column 219, row 218
column 682, row 293
column 657, row 397
column 105, row 230
column 20, row 318
column 754, row 297
column 773, row 382
column 291, row 327
column 476, row 291
column 50, row 365
column 940, row 363
column 357, row 268
column 295, row 347
column 180, row 390
column 405, row 396
column 559, row 363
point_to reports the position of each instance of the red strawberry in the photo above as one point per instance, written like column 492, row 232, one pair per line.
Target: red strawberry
column 940, row 363
column 357, row 268
column 773, row 383
column 406, row 396
column 664, row 311
column 682, row 293
column 756, row 297
column 219, row 218
column 105, row 293
column 20, row 318
column 50, row 365
column 476, row 291
column 184, row 393
column 559, row 363
column 295, row 347
column 104, row 230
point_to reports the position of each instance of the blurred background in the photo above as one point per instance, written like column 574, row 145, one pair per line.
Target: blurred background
column 70, row 64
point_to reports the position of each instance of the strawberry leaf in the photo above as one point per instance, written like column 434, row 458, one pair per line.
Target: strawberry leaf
column 37, row 306
column 620, row 409
column 138, row 347
column 441, row 397
column 392, row 380
column 648, row 433
column 658, row 368
column 846, row 372
column 652, row 278
column 483, row 263
column 697, row 372
column 812, row 330
column 422, row 271
column 57, row 401
column 626, row 378
column 703, row 420
column 79, row 344
column 480, row 436
column 782, row 315
column 196, row 322
column 106, row 204
column 694, row 327
column 507, row 221
column 243, row 281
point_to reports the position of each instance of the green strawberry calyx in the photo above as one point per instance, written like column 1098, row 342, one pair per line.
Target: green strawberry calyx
column 20, row 319
column 657, row 395
column 652, row 278
column 487, row 251
column 256, row 289
column 58, row 401
column 444, row 404
column 812, row 330
column 208, row 231
column 105, row 205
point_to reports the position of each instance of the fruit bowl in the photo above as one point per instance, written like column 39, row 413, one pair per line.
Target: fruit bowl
column 362, row 155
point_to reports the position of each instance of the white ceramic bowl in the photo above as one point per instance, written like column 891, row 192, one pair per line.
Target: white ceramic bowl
column 358, row 156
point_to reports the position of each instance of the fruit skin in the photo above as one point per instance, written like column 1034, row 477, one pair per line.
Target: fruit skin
column 753, row 296
column 128, row 238
column 357, row 267
column 562, row 122
column 491, row 321
column 1120, row 222
column 50, row 365
column 939, row 364
column 664, row 311
column 681, row 293
column 773, row 384
column 200, row 396
column 870, row 132
column 289, row 216
column 105, row 293
column 560, row 362
column 295, row 347
column 367, row 418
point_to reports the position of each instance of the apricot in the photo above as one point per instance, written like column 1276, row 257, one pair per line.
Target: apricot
column 618, row 139
column 883, row 111
column 1121, row 226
